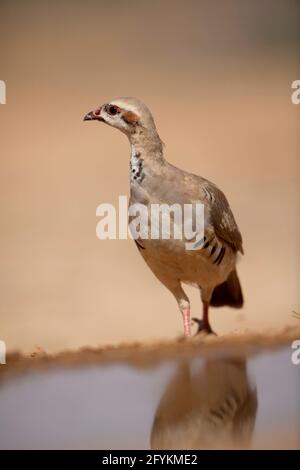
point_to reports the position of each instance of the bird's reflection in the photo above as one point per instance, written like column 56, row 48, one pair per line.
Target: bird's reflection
column 207, row 405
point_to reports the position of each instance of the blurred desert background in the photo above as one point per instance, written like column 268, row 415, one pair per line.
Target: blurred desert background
column 217, row 77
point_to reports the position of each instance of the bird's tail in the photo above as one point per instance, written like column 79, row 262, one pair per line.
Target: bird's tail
column 228, row 293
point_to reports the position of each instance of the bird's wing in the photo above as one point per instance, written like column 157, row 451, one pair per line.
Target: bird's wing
column 221, row 216
column 177, row 186
column 234, row 400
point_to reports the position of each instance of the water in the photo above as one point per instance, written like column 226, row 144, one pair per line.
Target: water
column 190, row 402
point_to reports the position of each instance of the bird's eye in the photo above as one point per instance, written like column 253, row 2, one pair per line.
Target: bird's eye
column 113, row 110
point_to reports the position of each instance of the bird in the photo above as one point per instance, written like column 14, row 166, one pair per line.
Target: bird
column 154, row 180
column 208, row 404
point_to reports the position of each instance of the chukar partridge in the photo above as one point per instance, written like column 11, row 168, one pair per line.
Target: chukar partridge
column 153, row 180
column 210, row 406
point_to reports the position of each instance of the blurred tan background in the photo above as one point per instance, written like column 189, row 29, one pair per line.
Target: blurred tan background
column 217, row 77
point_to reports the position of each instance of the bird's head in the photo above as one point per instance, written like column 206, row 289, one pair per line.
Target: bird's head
column 126, row 114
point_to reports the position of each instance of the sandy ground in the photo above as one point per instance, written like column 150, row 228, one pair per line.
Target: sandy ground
column 147, row 354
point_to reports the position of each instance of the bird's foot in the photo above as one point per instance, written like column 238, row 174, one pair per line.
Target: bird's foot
column 203, row 327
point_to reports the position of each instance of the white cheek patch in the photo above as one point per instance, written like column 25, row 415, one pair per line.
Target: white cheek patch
column 114, row 121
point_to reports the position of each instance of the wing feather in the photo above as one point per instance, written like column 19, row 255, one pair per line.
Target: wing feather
column 222, row 218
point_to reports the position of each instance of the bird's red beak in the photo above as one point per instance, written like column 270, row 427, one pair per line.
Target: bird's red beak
column 93, row 115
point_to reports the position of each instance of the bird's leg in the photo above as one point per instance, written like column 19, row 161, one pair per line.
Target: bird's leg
column 183, row 302
column 184, row 306
column 204, row 325
column 186, row 315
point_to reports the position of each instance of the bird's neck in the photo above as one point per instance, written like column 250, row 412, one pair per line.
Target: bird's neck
column 146, row 156
column 147, row 144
